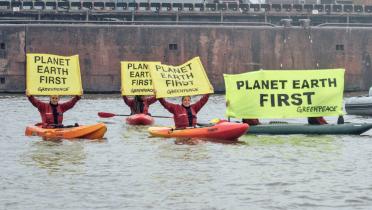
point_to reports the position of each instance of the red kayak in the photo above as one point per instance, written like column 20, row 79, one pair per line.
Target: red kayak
column 220, row 131
column 140, row 119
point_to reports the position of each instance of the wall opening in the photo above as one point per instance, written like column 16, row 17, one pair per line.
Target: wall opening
column 2, row 80
column 173, row 46
column 2, row 45
column 340, row 47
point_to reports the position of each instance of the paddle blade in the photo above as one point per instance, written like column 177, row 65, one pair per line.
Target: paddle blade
column 106, row 114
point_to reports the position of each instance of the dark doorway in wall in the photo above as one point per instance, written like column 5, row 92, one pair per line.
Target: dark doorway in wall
column 340, row 47
column 173, row 46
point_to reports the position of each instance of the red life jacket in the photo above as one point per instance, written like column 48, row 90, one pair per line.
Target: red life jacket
column 48, row 118
column 316, row 121
column 181, row 119
column 251, row 121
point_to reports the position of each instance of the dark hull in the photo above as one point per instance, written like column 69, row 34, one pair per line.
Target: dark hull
column 284, row 129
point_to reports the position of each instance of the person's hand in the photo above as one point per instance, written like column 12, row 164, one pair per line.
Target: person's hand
column 227, row 103
column 211, row 87
column 28, row 93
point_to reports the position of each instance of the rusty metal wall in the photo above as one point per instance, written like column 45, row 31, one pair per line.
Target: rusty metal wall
column 223, row 49
column 12, row 58
column 362, row 2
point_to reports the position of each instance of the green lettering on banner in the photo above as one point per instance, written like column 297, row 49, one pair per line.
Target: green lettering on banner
column 141, row 82
column 139, row 66
column 52, row 70
column 283, row 99
column 52, row 60
column 52, row 80
column 135, row 74
column 262, row 84
column 314, row 83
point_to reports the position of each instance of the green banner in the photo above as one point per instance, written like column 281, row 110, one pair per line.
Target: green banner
column 285, row 93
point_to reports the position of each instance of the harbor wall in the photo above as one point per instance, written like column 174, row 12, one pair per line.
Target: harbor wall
column 222, row 49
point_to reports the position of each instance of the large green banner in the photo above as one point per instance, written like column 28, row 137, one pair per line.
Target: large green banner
column 285, row 93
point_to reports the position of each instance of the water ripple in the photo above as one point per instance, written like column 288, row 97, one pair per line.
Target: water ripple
column 130, row 170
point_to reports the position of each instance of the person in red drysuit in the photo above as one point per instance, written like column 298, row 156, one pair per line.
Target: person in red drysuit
column 251, row 121
column 139, row 104
column 316, row 121
column 184, row 114
column 52, row 113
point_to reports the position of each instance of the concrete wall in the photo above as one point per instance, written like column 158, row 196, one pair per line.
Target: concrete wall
column 223, row 49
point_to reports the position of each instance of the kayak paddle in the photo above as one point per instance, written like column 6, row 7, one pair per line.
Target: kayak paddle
column 108, row 115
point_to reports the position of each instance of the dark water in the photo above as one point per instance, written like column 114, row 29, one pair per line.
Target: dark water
column 129, row 170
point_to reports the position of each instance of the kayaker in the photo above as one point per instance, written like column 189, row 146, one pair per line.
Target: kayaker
column 139, row 104
column 340, row 120
column 316, row 121
column 184, row 114
column 251, row 121
column 52, row 113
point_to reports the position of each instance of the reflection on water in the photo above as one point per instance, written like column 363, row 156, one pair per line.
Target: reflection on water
column 173, row 151
column 57, row 156
column 294, row 140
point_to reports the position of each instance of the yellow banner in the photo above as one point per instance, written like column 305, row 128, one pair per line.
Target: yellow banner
column 184, row 80
column 53, row 75
column 285, row 94
column 136, row 78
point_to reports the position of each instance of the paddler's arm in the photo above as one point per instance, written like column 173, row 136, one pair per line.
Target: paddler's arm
column 167, row 105
column 128, row 101
column 340, row 120
column 69, row 104
column 35, row 102
column 151, row 100
column 322, row 121
column 198, row 105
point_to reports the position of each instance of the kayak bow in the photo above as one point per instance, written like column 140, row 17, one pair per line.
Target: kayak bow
column 140, row 119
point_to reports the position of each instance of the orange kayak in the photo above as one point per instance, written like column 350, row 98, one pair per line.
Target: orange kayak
column 221, row 131
column 84, row 132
